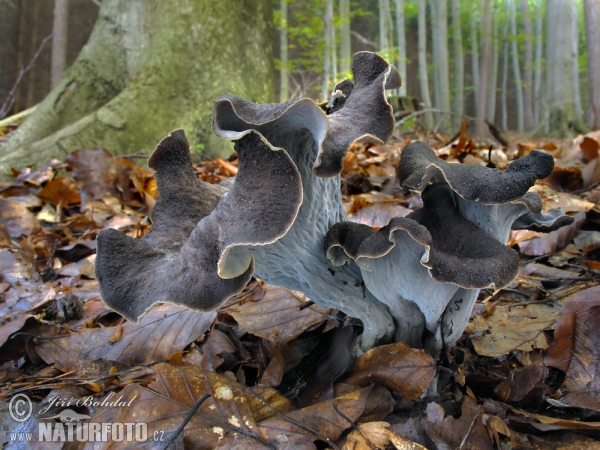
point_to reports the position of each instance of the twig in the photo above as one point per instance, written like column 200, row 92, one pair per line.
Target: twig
column 364, row 40
column 10, row 99
column 354, row 427
column 185, row 421
column 295, row 422
column 134, row 155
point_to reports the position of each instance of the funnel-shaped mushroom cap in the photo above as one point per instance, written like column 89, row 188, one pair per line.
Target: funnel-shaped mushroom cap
column 196, row 253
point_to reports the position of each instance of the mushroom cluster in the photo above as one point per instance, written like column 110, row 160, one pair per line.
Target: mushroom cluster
column 282, row 219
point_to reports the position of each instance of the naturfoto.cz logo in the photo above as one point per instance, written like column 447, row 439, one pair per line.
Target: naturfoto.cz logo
column 71, row 426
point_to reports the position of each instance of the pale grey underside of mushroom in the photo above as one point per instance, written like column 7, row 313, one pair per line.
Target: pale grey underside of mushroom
column 318, row 143
column 273, row 219
column 429, row 267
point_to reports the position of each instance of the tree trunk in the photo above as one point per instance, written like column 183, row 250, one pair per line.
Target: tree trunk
column 491, row 104
column 474, row 48
column 516, row 68
column 401, row 45
column 59, row 41
column 384, row 10
column 284, row 80
column 345, row 48
column 504, row 74
column 459, row 64
column 575, row 58
column 559, row 69
column 442, row 67
column 592, row 35
column 327, row 68
column 423, row 77
column 527, row 68
column 151, row 66
column 537, row 64
column 484, row 70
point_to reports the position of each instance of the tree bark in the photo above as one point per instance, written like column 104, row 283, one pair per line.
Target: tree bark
column 459, row 64
column 575, row 58
column 345, row 48
column 327, row 58
column 284, row 80
column 491, row 103
column 504, row 73
column 559, row 70
column 151, row 66
column 516, row 68
column 59, row 41
column 474, row 48
column 400, row 31
column 527, row 68
column 592, row 35
column 537, row 64
column 423, row 76
column 484, row 72
column 442, row 66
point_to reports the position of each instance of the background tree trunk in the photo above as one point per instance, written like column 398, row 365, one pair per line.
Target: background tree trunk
column 491, row 103
column 516, row 68
column 327, row 66
column 484, row 71
column 284, row 79
column 559, row 69
column 459, row 64
column 527, row 68
column 441, row 52
column 474, row 47
column 575, row 59
column 59, row 41
column 537, row 64
column 423, row 76
column 592, row 38
column 504, row 72
column 151, row 66
column 400, row 31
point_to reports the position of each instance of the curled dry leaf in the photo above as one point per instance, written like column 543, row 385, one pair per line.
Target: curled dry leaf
column 520, row 382
column 275, row 317
column 511, row 328
column 576, row 349
column 16, row 220
column 165, row 330
column 466, row 432
column 397, row 367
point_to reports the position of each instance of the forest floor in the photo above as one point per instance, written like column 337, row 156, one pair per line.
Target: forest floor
column 279, row 369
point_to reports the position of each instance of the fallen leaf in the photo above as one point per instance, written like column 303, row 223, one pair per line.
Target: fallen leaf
column 379, row 214
column 276, row 317
column 164, row 330
column 397, row 367
column 520, row 382
column 16, row 220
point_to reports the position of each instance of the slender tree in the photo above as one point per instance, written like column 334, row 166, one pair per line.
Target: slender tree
column 423, row 77
column 516, row 68
column 592, row 34
column 575, row 58
column 345, row 48
column 474, row 47
column 484, row 70
column 442, row 66
column 559, row 69
column 400, row 30
column 459, row 64
column 491, row 103
column 284, row 86
column 59, row 41
column 527, row 68
column 505, row 63
column 384, row 14
column 537, row 64
column 327, row 58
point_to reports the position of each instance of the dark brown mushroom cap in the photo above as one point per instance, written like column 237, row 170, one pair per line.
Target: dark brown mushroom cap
column 419, row 165
column 365, row 114
column 193, row 256
column 454, row 249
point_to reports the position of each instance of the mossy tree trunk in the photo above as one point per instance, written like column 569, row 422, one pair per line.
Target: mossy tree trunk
column 151, row 66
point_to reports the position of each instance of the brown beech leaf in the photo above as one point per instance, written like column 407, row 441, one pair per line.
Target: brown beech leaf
column 520, row 382
column 321, row 417
column 545, row 423
column 164, row 405
column 589, row 148
column 380, row 401
column 271, row 397
column 536, row 244
column 397, row 367
column 576, row 349
column 275, row 317
column 164, row 330
column 467, row 432
column 216, row 344
column 16, row 220
column 379, row 214
column 511, row 328
column 274, row 371
column 61, row 191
